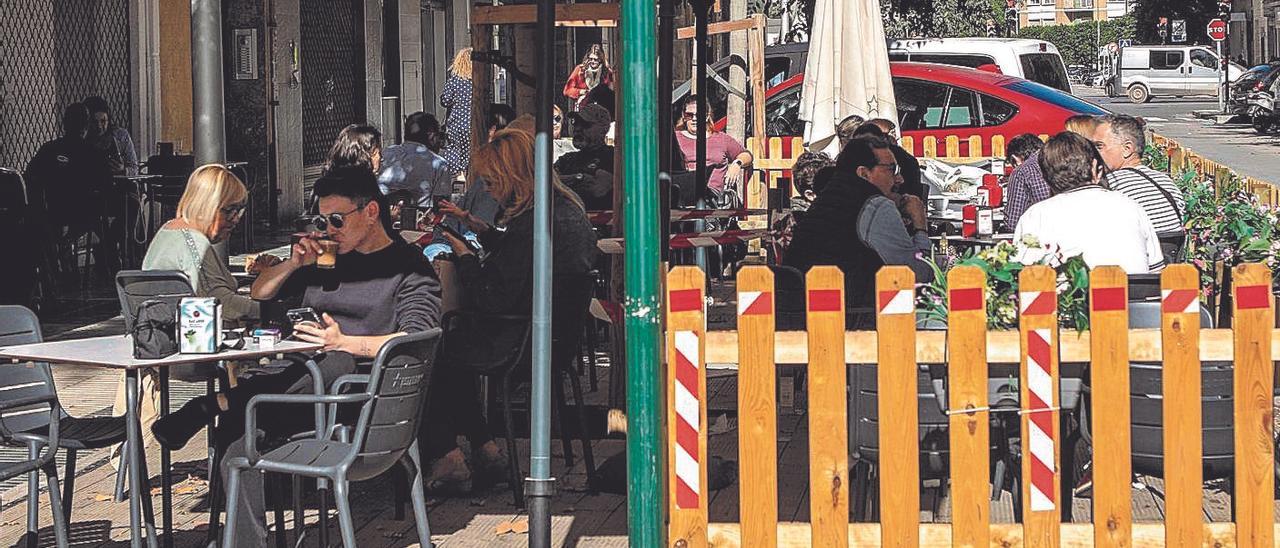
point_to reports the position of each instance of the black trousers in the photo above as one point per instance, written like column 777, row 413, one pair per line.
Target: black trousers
column 278, row 420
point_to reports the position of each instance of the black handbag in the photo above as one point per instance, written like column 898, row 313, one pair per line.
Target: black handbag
column 155, row 328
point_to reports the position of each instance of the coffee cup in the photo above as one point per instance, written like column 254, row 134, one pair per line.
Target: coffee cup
column 328, row 254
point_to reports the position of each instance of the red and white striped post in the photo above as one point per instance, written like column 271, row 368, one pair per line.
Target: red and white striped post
column 1038, row 304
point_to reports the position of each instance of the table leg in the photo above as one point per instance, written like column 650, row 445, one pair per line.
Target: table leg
column 166, row 482
column 134, row 432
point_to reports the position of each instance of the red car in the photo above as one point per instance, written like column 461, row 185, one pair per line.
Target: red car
column 942, row 100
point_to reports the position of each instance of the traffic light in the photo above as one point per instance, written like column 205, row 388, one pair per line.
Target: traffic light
column 1162, row 27
column 1224, row 9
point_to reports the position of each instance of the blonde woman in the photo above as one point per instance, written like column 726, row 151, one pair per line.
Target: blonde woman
column 210, row 208
column 502, row 284
column 456, row 99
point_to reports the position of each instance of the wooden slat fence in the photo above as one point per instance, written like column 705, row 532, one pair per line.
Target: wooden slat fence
column 967, row 347
column 1184, row 159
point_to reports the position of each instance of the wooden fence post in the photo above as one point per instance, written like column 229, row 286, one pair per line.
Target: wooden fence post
column 908, row 144
column 757, row 409
column 930, row 146
column 953, row 146
column 828, row 412
column 1254, row 375
column 998, row 146
column 686, row 407
column 1109, row 380
column 1038, row 304
column 970, row 432
column 975, row 146
column 896, row 384
column 1180, row 347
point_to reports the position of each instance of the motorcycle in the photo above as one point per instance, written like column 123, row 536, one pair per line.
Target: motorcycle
column 1262, row 110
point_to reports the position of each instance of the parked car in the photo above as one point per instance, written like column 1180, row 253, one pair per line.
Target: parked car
column 1256, row 79
column 942, row 100
column 1168, row 71
column 1035, row 60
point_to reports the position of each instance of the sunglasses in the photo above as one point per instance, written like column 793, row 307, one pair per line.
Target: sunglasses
column 336, row 219
column 557, row 118
column 691, row 115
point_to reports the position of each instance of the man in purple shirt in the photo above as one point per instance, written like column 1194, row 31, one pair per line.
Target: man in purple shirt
column 1026, row 184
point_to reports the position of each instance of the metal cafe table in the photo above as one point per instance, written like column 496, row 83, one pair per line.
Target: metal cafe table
column 116, row 352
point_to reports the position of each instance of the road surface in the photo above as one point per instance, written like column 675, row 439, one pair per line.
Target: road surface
column 1233, row 145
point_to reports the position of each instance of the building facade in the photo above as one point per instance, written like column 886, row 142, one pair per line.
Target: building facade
column 1254, row 33
column 1061, row 12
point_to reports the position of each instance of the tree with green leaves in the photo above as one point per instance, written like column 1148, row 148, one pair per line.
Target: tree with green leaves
column 930, row 18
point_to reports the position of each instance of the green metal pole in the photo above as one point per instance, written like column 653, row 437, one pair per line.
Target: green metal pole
column 643, row 306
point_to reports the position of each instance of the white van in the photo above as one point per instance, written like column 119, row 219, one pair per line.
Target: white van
column 1034, row 60
column 1163, row 71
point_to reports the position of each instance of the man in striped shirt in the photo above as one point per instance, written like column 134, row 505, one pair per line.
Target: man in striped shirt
column 1121, row 141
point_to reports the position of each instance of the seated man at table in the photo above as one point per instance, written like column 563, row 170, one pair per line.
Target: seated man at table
column 413, row 165
column 380, row 287
column 853, row 224
column 1083, row 217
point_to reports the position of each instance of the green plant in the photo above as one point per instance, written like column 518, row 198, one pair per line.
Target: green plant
column 1002, row 264
column 1078, row 43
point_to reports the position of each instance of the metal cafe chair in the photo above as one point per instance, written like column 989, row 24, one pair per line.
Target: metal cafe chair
column 385, row 434
column 24, row 389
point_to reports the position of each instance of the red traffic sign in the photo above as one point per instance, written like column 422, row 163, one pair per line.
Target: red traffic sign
column 1218, row 30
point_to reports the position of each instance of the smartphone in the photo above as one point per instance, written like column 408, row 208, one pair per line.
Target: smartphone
column 444, row 227
column 304, row 314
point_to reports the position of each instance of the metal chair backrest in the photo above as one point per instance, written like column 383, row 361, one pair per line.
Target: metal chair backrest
column 134, row 287
column 1147, row 408
column 13, row 191
column 388, row 422
column 18, row 326
column 864, row 420
column 1145, row 287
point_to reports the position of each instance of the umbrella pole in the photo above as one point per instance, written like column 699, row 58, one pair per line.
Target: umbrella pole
column 642, row 304
column 540, row 486
column 700, row 16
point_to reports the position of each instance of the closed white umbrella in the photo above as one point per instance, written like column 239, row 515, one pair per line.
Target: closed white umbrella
column 847, row 72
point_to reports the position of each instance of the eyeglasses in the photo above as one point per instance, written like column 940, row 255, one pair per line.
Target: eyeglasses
column 894, row 167
column 233, row 211
column 336, row 219
column 691, row 115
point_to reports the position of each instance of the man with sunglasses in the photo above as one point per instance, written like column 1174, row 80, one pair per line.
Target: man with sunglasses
column 853, row 224
column 380, row 287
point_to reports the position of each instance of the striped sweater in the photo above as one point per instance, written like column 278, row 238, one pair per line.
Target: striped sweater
column 1166, row 209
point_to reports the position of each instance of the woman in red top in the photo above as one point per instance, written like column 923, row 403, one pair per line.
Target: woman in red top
column 593, row 71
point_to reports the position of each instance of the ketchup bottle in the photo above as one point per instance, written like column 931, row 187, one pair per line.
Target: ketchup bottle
column 969, row 221
column 991, row 188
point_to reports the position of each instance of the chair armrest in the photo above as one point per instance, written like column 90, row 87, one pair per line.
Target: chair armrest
column 317, row 388
column 30, row 400
column 332, row 414
column 251, row 415
column 501, row 317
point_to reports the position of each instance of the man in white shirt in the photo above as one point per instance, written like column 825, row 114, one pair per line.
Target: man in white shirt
column 414, row 166
column 1083, row 218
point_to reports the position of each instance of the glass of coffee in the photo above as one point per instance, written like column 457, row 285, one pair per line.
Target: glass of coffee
column 328, row 254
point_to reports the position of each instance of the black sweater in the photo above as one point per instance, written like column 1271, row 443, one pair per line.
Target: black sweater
column 390, row 290
column 503, row 284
